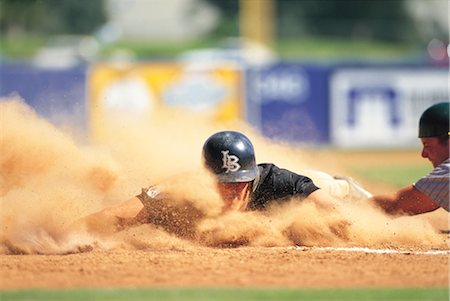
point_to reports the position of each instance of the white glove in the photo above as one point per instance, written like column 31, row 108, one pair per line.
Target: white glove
column 148, row 195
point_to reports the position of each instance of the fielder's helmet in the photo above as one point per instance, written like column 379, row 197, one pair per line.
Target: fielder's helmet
column 434, row 121
column 230, row 156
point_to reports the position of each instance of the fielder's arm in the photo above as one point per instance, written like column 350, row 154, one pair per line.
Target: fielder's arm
column 407, row 200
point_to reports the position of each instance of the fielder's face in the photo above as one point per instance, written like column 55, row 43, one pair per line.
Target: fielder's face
column 436, row 151
column 235, row 196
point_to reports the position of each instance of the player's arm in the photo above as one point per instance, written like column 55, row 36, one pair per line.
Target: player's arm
column 407, row 200
column 304, row 185
column 126, row 209
column 128, row 213
column 139, row 209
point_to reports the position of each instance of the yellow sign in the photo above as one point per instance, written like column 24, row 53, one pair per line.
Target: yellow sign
column 136, row 90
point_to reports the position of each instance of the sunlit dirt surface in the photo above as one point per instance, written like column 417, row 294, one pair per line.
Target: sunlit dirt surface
column 51, row 185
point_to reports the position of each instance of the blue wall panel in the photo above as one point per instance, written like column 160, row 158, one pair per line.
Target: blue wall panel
column 289, row 102
column 55, row 94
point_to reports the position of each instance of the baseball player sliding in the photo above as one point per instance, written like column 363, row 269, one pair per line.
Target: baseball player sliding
column 244, row 185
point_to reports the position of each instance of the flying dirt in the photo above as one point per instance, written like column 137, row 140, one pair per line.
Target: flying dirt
column 50, row 184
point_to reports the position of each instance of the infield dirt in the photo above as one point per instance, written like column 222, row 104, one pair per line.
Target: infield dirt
column 50, row 182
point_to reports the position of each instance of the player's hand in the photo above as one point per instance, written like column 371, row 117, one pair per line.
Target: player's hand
column 148, row 194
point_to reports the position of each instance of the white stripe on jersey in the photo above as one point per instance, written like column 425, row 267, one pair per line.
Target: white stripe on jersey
column 435, row 185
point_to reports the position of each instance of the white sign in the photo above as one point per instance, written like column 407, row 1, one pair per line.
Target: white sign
column 381, row 108
column 196, row 91
column 290, row 85
column 128, row 95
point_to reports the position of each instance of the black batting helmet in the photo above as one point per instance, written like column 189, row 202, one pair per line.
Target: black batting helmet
column 230, row 156
column 434, row 121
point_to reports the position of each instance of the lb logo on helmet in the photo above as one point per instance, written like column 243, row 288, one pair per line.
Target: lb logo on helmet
column 230, row 162
column 230, row 156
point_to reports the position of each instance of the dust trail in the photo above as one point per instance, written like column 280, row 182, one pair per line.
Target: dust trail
column 47, row 181
column 50, row 184
column 304, row 224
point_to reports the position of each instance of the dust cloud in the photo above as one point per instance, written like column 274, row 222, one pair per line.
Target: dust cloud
column 55, row 192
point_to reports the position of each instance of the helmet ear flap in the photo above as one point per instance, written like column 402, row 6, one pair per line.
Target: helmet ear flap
column 230, row 156
column 434, row 121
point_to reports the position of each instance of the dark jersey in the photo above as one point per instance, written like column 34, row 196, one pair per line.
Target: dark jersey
column 277, row 184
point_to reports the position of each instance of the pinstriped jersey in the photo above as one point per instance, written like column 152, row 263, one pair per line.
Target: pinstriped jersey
column 435, row 185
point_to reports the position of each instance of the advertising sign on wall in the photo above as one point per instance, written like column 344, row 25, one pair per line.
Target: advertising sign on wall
column 289, row 101
column 55, row 94
column 381, row 108
column 138, row 89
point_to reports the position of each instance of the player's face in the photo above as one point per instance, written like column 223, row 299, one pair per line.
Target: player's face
column 234, row 195
column 434, row 150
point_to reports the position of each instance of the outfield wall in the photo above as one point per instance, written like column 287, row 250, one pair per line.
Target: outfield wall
column 372, row 107
column 340, row 105
column 56, row 94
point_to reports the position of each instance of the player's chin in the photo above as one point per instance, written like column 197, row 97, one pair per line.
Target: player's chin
column 435, row 163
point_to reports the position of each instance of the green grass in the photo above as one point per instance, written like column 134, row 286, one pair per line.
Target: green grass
column 309, row 48
column 20, row 47
column 197, row 294
column 343, row 49
column 24, row 46
column 397, row 176
column 154, row 49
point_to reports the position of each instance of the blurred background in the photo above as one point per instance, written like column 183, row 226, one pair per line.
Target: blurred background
column 338, row 73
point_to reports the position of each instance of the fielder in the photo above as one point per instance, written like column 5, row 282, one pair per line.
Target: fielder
column 431, row 191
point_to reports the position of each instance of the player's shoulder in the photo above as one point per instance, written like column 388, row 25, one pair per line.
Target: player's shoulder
column 267, row 169
column 265, row 166
column 267, row 172
column 276, row 175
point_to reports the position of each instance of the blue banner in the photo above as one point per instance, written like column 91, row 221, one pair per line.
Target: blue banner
column 289, row 101
column 55, row 94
